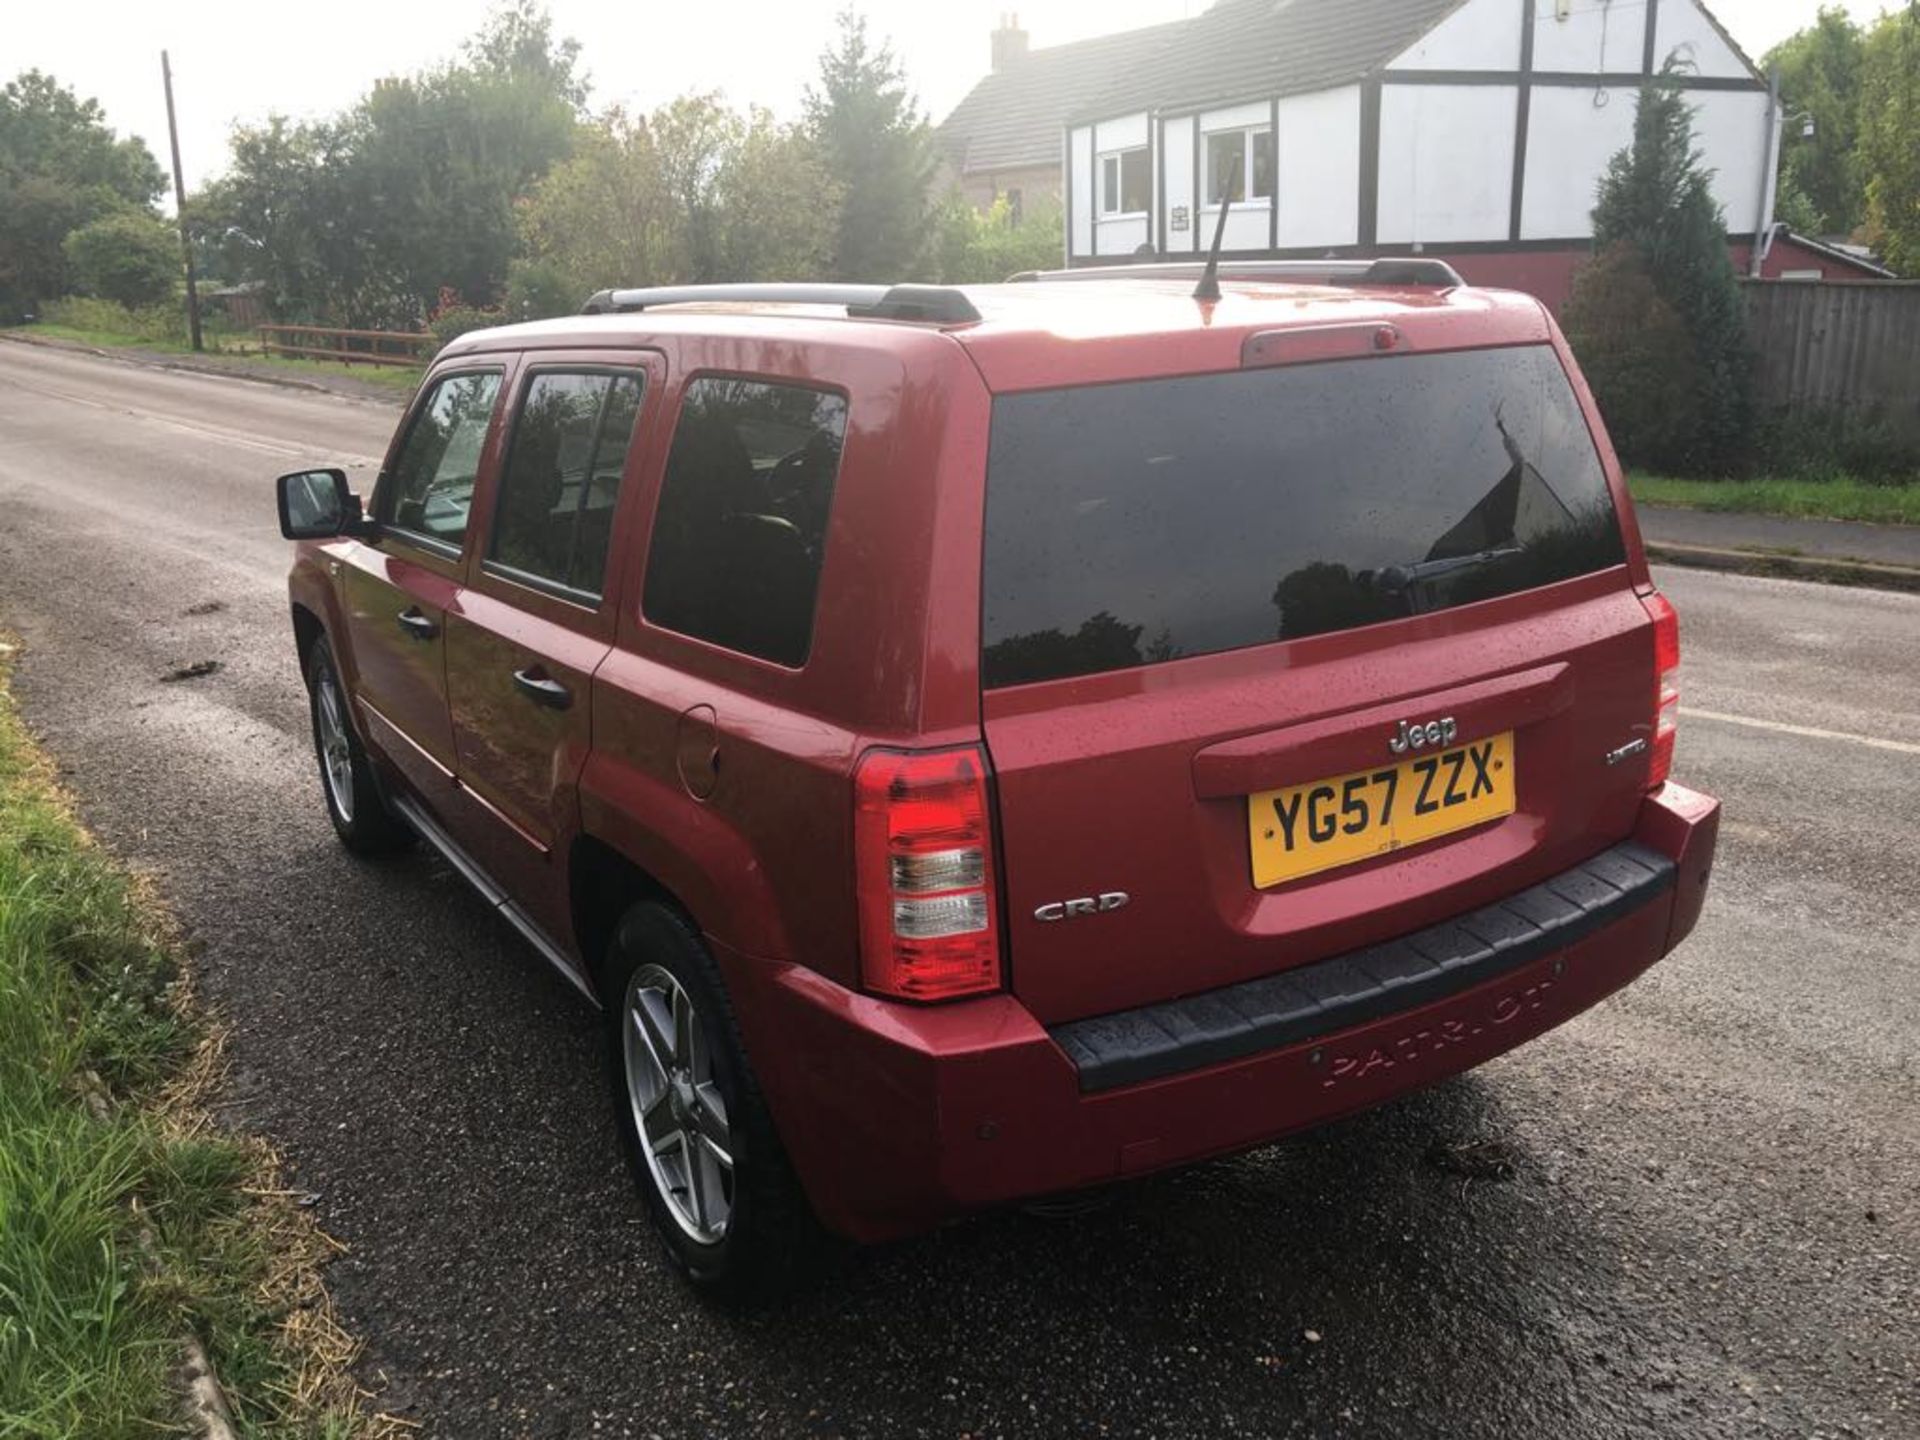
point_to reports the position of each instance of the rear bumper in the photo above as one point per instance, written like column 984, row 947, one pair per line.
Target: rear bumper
column 899, row 1117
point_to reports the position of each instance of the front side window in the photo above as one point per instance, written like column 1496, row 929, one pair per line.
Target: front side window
column 431, row 488
column 561, row 482
column 1126, row 182
column 741, row 528
column 1137, row 523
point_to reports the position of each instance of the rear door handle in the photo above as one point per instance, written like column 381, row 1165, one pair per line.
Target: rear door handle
column 419, row 626
column 542, row 688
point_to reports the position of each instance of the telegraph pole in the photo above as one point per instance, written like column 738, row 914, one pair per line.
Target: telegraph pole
column 180, row 206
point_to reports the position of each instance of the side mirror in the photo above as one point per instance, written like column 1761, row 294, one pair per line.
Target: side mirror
column 317, row 505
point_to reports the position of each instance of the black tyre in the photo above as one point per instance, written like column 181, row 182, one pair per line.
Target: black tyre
column 695, row 1127
column 354, row 803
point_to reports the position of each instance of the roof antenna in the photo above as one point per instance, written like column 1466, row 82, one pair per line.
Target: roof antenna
column 1209, row 286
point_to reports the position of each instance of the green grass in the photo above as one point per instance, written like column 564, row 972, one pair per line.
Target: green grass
column 1836, row 499
column 127, row 1223
column 238, row 352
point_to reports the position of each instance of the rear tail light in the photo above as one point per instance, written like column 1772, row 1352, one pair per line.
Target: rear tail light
column 923, row 857
column 1666, row 686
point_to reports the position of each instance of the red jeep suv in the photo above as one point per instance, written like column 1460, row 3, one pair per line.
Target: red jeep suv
column 979, row 744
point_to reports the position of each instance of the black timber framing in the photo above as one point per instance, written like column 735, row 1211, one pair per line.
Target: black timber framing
column 1273, row 175
column 1648, row 56
column 1564, row 79
column 1370, row 162
column 1523, row 118
column 1429, row 248
column 1094, row 173
column 1193, row 218
column 1067, row 209
column 1159, row 227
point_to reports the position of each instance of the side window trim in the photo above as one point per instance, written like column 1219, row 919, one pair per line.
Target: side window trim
column 384, row 500
column 499, row 569
column 526, row 579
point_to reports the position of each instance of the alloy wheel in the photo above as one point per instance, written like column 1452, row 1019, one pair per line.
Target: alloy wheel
column 677, row 1106
column 336, row 747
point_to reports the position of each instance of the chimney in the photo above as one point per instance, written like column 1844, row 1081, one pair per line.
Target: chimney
column 1009, row 44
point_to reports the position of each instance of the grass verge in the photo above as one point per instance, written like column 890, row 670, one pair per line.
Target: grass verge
column 1837, row 499
column 128, row 1223
column 239, row 355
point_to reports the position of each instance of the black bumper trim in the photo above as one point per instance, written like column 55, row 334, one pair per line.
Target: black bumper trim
column 1348, row 990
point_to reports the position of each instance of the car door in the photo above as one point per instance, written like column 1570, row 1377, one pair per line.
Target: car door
column 396, row 584
column 538, row 616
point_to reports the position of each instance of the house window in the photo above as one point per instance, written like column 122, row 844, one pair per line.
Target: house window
column 1126, row 182
column 1240, row 162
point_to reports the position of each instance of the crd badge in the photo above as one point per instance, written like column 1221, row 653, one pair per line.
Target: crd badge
column 1077, row 909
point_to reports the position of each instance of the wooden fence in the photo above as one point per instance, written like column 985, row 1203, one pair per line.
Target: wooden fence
column 349, row 347
column 1828, row 347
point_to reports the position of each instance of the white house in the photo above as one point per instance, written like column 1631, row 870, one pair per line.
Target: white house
column 1473, row 129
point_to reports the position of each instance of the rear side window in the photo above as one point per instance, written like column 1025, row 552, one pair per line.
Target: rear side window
column 1131, row 524
column 431, row 489
column 561, row 483
column 742, row 522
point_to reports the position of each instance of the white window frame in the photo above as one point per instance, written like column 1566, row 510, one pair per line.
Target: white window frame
column 1248, row 170
column 1109, row 202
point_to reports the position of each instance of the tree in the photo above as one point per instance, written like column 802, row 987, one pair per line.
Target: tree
column 777, row 200
column 293, row 211
column 602, row 218
column 1637, row 356
column 693, row 193
column 1663, row 237
column 875, row 142
column 439, row 159
column 128, row 257
column 364, row 219
column 1890, row 137
column 693, row 139
column 61, row 166
column 1821, row 185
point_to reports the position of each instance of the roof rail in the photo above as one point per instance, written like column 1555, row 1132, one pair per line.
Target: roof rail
column 928, row 304
column 1395, row 272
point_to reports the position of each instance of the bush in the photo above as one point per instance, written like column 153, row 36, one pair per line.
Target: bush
column 1681, row 400
column 541, row 290
column 1637, row 356
column 127, row 257
column 972, row 247
column 1839, row 445
column 154, row 324
column 453, row 317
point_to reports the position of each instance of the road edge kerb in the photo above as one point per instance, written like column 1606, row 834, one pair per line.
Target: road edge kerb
column 148, row 361
column 303, row 1249
column 207, row 1408
column 206, row 1401
column 1854, row 574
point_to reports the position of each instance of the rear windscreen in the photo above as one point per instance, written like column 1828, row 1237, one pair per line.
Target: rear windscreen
column 1131, row 524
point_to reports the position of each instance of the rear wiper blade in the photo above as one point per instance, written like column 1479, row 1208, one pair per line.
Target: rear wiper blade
column 1397, row 579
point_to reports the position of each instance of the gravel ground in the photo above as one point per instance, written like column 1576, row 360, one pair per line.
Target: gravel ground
column 1708, row 1222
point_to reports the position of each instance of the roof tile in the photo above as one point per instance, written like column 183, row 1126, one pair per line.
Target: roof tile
column 1238, row 50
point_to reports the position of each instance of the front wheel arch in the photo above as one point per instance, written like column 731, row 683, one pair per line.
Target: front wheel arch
column 307, row 629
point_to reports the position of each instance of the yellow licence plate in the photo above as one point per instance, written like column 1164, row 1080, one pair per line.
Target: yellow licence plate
column 1330, row 823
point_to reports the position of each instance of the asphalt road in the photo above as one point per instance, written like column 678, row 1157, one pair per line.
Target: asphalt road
column 1712, row 1226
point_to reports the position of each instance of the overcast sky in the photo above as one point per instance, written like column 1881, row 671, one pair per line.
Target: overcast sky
column 240, row 60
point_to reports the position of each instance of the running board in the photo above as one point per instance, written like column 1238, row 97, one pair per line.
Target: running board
column 469, row 870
